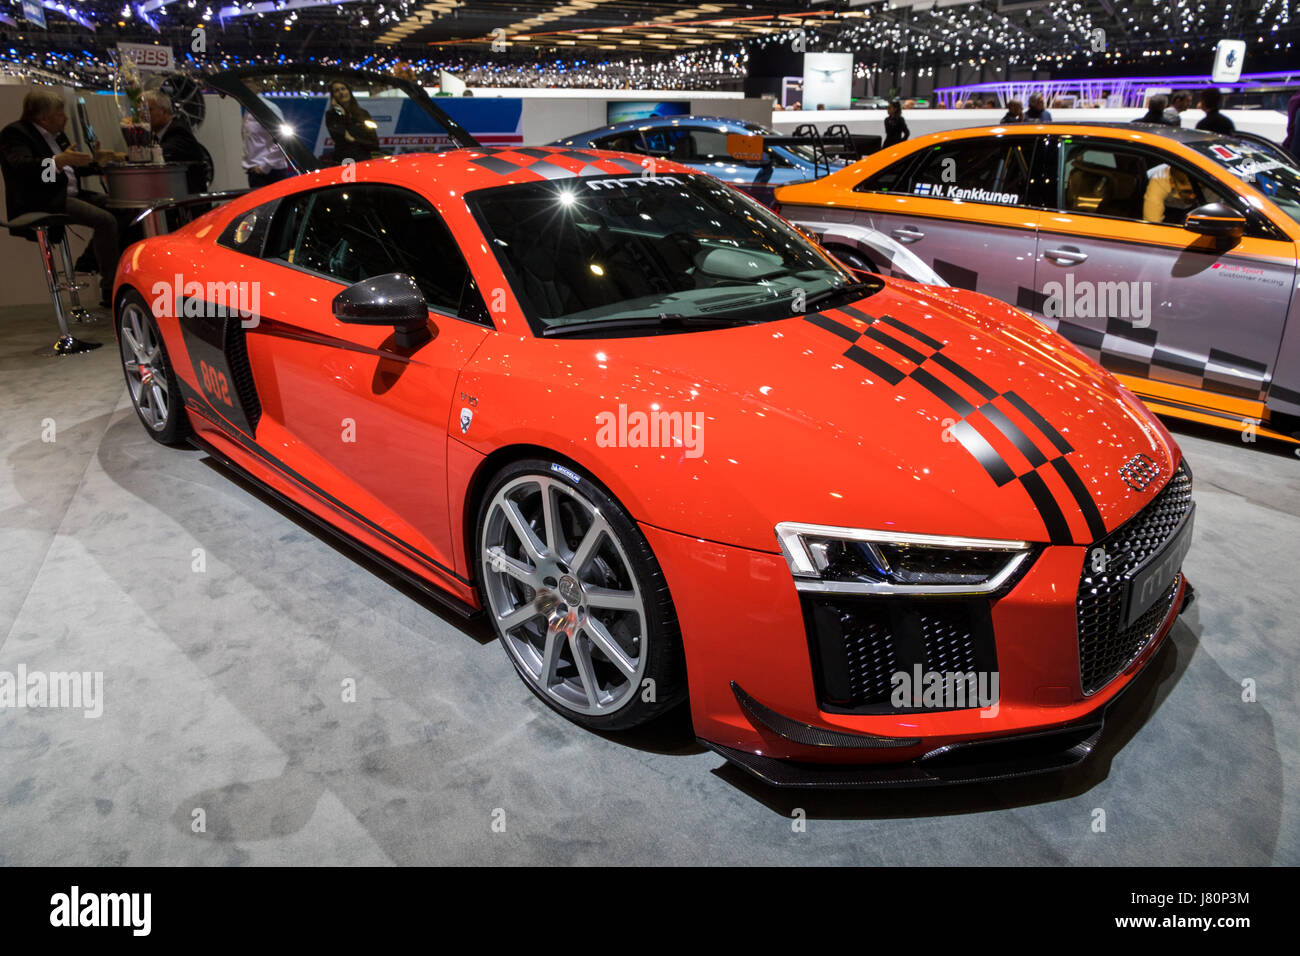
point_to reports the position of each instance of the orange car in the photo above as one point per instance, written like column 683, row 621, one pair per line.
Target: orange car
column 1169, row 255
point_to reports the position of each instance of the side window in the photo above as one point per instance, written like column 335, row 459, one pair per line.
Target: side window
column 350, row 233
column 621, row 143
column 1123, row 183
column 976, row 170
column 892, row 179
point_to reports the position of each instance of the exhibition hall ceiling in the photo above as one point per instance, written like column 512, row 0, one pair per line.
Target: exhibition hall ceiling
column 715, row 38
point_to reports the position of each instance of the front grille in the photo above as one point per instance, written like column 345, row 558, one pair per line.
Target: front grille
column 1106, row 647
column 859, row 643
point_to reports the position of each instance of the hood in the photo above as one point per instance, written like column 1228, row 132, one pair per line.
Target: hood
column 924, row 410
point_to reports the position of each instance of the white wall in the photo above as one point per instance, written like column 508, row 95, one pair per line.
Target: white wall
column 1265, row 123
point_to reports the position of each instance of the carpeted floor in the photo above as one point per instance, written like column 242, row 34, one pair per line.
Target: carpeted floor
column 225, row 737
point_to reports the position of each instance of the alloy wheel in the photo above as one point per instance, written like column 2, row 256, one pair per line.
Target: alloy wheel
column 145, row 365
column 563, row 596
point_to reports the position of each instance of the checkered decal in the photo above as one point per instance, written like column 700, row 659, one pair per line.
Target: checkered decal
column 884, row 353
column 550, row 162
column 1133, row 351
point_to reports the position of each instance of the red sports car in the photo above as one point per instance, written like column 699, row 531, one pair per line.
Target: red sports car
column 883, row 533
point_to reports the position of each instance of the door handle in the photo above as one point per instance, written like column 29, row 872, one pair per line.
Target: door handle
column 1067, row 255
column 907, row 234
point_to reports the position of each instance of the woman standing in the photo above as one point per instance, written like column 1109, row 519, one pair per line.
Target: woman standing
column 355, row 134
column 895, row 126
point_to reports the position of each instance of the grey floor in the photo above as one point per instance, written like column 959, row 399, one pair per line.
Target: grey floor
column 224, row 692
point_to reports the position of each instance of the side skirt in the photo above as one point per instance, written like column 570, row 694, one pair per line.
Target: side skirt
column 451, row 602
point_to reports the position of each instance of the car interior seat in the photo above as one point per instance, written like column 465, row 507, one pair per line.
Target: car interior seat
column 1087, row 187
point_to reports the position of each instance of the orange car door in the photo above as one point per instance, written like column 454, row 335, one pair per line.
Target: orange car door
column 965, row 213
column 1182, row 318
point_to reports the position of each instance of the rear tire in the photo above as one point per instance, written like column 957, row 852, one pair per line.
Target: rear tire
column 576, row 597
column 150, row 380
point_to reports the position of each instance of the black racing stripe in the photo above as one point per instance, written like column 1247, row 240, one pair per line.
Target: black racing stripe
column 627, row 165
column 835, row 328
column 857, row 314
column 533, row 151
column 913, row 332
column 986, row 392
column 874, row 363
column 942, row 392
column 983, row 452
column 1041, row 423
column 1058, row 529
column 1096, row 527
column 890, row 342
column 499, row 166
column 1288, row 395
column 1013, row 433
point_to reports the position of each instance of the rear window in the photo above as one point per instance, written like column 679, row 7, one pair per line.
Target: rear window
column 892, row 179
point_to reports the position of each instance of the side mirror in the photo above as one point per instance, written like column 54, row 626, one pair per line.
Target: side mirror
column 394, row 299
column 1216, row 219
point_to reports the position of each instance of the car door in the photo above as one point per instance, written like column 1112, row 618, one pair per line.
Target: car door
column 963, row 208
column 1188, row 319
column 354, row 414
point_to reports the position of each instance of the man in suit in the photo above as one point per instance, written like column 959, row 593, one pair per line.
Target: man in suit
column 41, row 174
column 178, row 142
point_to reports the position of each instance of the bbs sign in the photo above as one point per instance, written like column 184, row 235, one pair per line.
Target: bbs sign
column 147, row 56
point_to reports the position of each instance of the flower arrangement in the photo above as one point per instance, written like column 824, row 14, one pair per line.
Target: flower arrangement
column 135, row 120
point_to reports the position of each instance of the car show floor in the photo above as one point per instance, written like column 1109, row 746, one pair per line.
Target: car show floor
column 270, row 697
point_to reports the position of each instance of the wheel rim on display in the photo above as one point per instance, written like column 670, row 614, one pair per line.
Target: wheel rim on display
column 146, row 370
column 562, row 592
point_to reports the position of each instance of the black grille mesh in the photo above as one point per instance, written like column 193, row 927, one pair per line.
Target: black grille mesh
column 1106, row 647
column 859, row 643
column 868, row 652
column 949, row 643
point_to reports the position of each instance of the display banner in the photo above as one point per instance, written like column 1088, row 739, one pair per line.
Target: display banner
column 33, row 12
column 148, row 56
column 404, row 127
column 827, row 80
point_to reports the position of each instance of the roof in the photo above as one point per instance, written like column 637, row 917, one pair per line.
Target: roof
column 487, row 167
column 659, row 122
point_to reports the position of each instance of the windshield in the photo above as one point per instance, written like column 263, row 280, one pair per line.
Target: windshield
column 673, row 250
column 1269, row 171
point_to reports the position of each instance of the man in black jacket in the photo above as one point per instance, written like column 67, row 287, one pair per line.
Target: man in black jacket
column 178, row 142
column 41, row 173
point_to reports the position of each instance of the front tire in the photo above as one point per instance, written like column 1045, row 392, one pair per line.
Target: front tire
column 577, row 599
column 150, row 380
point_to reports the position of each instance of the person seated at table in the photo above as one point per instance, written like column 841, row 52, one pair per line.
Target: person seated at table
column 178, row 142
column 42, row 173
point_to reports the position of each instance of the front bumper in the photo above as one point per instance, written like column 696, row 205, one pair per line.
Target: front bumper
column 755, row 702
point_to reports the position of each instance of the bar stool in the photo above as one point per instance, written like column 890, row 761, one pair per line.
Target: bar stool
column 45, row 228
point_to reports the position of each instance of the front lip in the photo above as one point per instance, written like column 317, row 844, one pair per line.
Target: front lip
column 979, row 760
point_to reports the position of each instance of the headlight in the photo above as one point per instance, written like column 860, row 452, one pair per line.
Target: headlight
column 856, row 561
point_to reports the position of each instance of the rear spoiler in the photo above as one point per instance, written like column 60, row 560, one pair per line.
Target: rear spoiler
column 156, row 224
column 836, row 143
